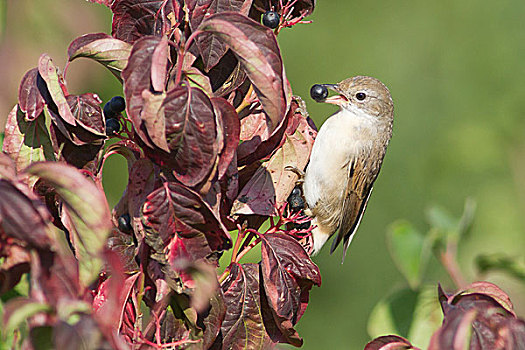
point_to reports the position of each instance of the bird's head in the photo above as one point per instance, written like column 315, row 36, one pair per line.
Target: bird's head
column 359, row 94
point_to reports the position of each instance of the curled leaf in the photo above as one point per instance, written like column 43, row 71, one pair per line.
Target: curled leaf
column 256, row 48
column 29, row 98
column 110, row 52
column 48, row 72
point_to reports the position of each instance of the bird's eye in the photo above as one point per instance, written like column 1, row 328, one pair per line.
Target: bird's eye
column 360, row 96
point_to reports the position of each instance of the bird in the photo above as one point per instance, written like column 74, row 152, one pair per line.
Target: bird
column 346, row 158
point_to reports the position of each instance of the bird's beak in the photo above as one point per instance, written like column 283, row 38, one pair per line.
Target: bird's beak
column 339, row 99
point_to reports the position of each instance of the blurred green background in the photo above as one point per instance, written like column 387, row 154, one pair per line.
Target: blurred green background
column 456, row 71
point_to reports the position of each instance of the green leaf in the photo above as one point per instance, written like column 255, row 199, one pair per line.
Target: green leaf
column 42, row 338
column 87, row 213
column 409, row 250
column 502, row 262
column 18, row 310
column 448, row 226
column 414, row 315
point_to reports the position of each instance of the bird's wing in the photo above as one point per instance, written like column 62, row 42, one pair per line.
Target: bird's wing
column 361, row 176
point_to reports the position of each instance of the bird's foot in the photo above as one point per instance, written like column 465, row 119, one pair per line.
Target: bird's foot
column 297, row 172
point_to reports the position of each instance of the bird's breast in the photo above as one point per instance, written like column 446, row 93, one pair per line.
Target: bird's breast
column 343, row 137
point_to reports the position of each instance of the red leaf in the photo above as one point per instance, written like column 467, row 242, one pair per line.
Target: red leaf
column 210, row 47
column 137, row 78
column 48, row 72
column 480, row 317
column 111, row 297
column 389, row 342
column 184, row 222
column 231, row 130
column 159, row 65
column 140, row 184
column 256, row 48
column 133, row 19
column 212, row 319
column 191, row 131
column 29, row 98
column 487, row 289
column 243, row 326
column 259, row 143
column 87, row 112
column 288, row 275
column 22, row 217
column 272, row 183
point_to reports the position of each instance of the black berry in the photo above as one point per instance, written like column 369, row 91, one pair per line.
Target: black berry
column 124, row 223
column 296, row 200
column 271, row 19
column 117, row 104
column 108, row 112
column 112, row 126
column 319, row 92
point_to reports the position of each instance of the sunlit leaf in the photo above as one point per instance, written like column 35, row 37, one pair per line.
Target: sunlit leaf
column 27, row 142
column 256, row 48
column 110, row 52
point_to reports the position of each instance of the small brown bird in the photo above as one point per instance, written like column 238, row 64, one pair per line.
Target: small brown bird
column 346, row 158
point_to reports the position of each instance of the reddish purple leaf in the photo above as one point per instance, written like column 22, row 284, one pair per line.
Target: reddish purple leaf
column 256, row 48
column 137, row 78
column 140, row 184
column 486, row 289
column 227, row 76
column 288, row 275
column 184, row 222
column 197, row 79
column 15, row 261
column 212, row 319
column 110, row 52
column 191, row 131
column 478, row 318
column 257, row 197
column 49, row 73
column 29, row 98
column 22, row 217
column 133, row 19
column 259, row 143
column 7, row 167
column 153, row 118
column 111, row 298
column 389, row 342
column 229, row 119
column 200, row 277
column 243, row 326
column 87, row 112
column 211, row 48
column 272, row 183
column 122, row 244
column 80, row 156
column 159, row 65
